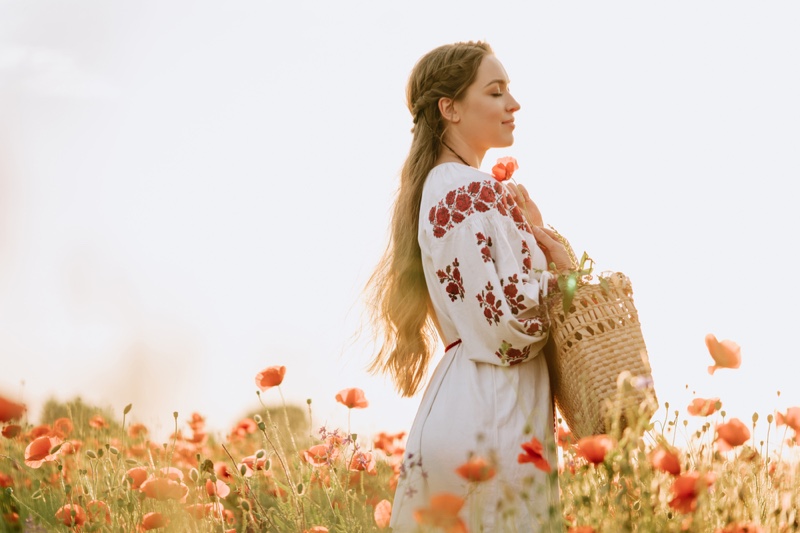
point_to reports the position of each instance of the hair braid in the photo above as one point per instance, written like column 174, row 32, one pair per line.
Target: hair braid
column 398, row 293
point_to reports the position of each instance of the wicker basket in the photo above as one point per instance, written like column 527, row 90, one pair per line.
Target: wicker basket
column 590, row 348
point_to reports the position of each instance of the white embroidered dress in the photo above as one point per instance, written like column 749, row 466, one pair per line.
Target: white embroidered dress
column 491, row 392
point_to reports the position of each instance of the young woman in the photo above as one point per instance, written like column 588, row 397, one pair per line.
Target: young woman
column 468, row 259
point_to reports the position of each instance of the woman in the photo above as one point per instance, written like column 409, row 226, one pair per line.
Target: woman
column 465, row 261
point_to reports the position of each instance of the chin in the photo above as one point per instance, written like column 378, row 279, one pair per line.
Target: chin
column 505, row 143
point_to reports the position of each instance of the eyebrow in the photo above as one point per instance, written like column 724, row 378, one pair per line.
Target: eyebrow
column 501, row 82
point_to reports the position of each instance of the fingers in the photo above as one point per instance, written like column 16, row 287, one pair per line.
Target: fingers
column 516, row 194
column 552, row 247
column 551, row 233
column 523, row 192
column 543, row 238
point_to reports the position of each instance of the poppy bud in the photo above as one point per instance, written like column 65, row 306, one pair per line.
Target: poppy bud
column 90, row 454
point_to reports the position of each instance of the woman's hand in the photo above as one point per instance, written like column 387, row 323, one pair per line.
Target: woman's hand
column 554, row 251
column 548, row 241
column 529, row 209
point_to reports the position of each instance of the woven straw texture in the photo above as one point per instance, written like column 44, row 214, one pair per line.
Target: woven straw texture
column 599, row 339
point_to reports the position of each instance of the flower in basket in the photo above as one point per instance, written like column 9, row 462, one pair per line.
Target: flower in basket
column 569, row 280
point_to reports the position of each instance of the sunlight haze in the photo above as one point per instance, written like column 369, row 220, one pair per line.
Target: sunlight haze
column 193, row 191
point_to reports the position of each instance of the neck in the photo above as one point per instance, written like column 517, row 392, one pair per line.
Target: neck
column 457, row 151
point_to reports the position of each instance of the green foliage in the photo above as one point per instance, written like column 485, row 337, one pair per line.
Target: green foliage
column 282, row 478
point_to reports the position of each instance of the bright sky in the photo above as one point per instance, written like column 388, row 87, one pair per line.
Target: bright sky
column 192, row 191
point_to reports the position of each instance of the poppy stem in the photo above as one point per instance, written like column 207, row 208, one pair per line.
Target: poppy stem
column 249, row 488
column 288, row 424
column 298, row 503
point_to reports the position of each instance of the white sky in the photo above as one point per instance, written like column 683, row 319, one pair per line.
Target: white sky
column 192, row 191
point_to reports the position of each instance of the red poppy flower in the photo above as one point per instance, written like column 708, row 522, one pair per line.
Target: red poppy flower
column 163, row 488
column 564, row 437
column 791, row 418
column 443, row 513
column 504, row 168
column 704, row 407
column 171, row 472
column 581, row 529
column 137, row 475
column 477, row 469
column 272, row 376
column 223, row 472
column 137, row 430
column 665, row 460
column 534, row 453
column 154, row 521
column 364, row 462
column 218, row 488
column 11, row 431
column 71, row 515
column 320, row 454
column 97, row 510
column 98, row 422
column 317, row 529
column 10, row 410
column 243, row 428
column 352, row 398
column 731, row 434
column 390, row 443
column 38, row 451
column 726, row 354
column 595, row 448
column 686, row 488
column 62, row 427
column 383, row 514
column 254, row 462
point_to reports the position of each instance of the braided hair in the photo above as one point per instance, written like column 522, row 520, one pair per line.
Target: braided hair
column 397, row 293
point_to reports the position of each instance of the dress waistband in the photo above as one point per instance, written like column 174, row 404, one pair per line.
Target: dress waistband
column 453, row 344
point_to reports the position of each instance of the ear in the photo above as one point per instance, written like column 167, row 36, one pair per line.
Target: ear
column 448, row 110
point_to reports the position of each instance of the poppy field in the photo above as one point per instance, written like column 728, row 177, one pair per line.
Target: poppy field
column 83, row 469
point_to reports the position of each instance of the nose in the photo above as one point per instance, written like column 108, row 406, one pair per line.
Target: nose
column 513, row 105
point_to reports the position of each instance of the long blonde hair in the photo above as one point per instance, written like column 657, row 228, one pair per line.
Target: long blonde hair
column 397, row 293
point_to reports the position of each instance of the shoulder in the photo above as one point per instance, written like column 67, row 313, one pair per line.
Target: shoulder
column 455, row 193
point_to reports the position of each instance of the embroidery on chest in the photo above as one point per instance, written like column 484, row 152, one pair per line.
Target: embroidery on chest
column 477, row 197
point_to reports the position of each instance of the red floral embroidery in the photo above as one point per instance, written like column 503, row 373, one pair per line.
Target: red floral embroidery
column 455, row 285
column 478, row 196
column 533, row 325
column 490, row 304
column 513, row 297
column 527, row 265
column 486, row 251
column 510, row 355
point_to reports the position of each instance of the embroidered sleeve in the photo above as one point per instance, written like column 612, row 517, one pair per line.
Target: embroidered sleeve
column 484, row 267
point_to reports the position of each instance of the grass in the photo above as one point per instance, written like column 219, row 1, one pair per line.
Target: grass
column 82, row 470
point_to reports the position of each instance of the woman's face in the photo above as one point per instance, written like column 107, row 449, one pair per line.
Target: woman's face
column 484, row 116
